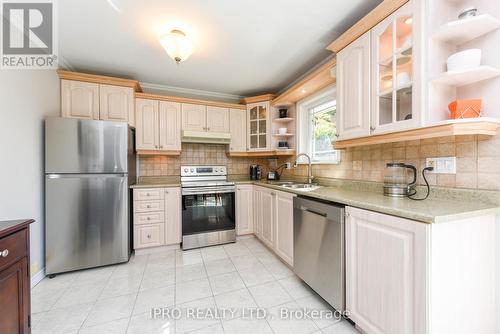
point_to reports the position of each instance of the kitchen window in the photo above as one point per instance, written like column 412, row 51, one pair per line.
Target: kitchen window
column 317, row 127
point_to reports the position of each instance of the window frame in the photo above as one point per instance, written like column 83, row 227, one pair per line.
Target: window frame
column 304, row 133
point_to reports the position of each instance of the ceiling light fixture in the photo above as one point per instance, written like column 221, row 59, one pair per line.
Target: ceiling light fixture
column 177, row 45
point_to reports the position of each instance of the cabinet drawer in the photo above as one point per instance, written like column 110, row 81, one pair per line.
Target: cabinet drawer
column 149, row 206
column 149, row 235
column 149, row 218
column 13, row 247
column 149, row 194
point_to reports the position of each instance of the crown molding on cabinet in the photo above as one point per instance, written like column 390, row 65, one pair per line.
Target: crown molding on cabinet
column 190, row 92
column 379, row 13
column 100, row 79
column 258, row 98
column 313, row 82
column 188, row 100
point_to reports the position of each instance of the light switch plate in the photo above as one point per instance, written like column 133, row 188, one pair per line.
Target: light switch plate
column 442, row 165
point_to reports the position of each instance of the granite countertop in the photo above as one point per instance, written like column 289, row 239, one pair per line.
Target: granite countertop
column 443, row 205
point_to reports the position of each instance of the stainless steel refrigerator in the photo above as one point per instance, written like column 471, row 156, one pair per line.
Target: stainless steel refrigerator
column 88, row 168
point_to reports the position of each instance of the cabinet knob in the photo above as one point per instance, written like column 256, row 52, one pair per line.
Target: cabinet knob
column 372, row 128
column 148, row 206
column 149, row 218
column 148, row 194
column 156, row 146
column 4, row 253
column 149, row 236
column 166, row 191
column 337, row 135
column 208, row 129
column 161, row 147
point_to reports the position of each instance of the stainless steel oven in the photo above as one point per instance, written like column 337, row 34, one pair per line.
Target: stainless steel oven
column 208, row 206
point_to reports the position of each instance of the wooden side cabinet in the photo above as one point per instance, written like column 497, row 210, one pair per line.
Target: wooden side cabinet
column 15, row 315
column 244, row 209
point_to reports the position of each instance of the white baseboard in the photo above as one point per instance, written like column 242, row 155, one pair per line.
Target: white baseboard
column 35, row 279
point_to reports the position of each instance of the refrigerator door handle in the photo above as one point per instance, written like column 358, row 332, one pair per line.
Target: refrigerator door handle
column 67, row 176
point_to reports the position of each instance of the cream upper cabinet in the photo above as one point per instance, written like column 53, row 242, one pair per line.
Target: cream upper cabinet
column 258, row 126
column 194, row 117
column 173, row 225
column 238, row 126
column 283, row 245
column 79, row 99
column 353, row 88
column 244, row 209
column 395, row 72
column 217, row 119
column 386, row 272
column 116, row 104
column 169, row 125
column 147, row 136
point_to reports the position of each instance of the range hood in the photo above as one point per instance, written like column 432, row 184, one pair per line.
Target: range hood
column 205, row 137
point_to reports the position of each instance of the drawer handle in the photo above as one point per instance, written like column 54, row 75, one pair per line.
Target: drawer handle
column 4, row 253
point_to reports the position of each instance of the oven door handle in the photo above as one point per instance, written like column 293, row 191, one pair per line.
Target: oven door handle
column 207, row 190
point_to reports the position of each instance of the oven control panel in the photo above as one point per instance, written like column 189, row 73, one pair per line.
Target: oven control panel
column 203, row 170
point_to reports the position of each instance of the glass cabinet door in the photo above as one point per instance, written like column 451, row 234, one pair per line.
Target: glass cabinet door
column 258, row 126
column 394, row 70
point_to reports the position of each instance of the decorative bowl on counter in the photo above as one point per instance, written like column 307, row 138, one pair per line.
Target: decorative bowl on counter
column 464, row 60
column 465, row 108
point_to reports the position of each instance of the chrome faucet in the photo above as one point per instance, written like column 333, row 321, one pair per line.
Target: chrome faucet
column 310, row 177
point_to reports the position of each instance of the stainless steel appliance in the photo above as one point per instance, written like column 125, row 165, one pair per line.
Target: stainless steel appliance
column 88, row 167
column 255, row 172
column 319, row 248
column 208, row 206
column 396, row 179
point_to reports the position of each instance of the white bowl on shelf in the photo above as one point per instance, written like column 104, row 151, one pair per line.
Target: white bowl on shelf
column 282, row 131
column 464, row 60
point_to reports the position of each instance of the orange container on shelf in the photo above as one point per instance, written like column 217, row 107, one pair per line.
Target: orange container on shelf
column 465, row 108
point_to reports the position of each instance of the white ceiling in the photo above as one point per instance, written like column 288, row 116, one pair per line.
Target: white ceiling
column 243, row 47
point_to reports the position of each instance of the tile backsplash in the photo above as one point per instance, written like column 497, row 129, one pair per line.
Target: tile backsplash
column 478, row 161
column 196, row 154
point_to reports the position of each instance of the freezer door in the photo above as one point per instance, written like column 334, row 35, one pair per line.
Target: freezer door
column 85, row 146
column 87, row 221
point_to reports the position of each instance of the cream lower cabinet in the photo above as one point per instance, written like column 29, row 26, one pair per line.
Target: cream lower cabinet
column 87, row 100
column 244, row 209
column 273, row 216
column 157, row 217
column 386, row 272
column 158, row 125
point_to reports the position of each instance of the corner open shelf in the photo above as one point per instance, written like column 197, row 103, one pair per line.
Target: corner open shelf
column 284, row 120
column 284, row 135
column 467, row 77
column 461, row 31
column 459, row 127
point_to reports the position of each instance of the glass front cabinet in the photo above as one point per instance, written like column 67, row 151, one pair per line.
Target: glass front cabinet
column 258, row 126
column 395, row 72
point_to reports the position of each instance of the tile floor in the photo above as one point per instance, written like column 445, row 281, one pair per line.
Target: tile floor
column 241, row 277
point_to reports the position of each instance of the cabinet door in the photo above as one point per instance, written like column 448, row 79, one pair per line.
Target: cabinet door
column 244, row 209
column 238, row 128
column 394, row 72
column 284, row 226
column 194, row 117
column 15, row 297
column 386, row 272
column 116, row 104
column 150, row 235
column 173, row 231
column 217, row 119
column 257, row 213
column 79, row 99
column 267, row 203
column 170, row 126
column 258, row 126
column 353, row 87
column 146, row 133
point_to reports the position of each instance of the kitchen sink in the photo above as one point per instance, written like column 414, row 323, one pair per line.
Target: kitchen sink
column 301, row 186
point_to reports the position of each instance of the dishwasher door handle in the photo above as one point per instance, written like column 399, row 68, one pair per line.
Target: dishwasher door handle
column 322, row 214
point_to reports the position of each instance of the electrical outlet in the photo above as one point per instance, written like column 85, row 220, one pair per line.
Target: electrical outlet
column 288, row 165
column 442, row 165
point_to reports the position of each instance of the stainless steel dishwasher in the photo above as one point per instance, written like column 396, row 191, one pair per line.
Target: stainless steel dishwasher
column 319, row 248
